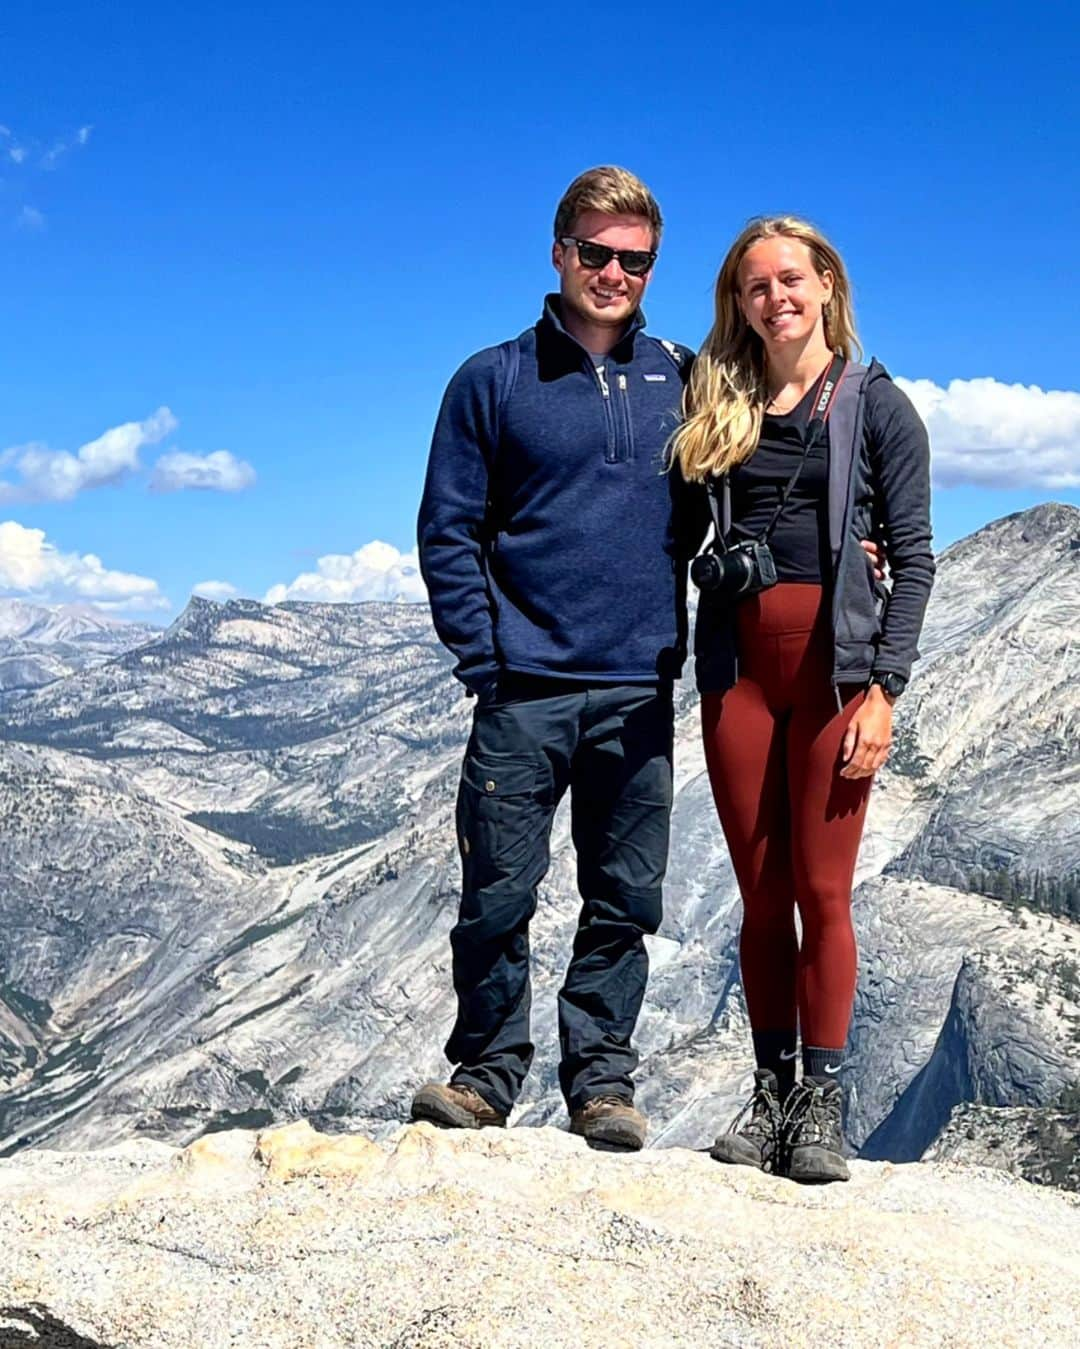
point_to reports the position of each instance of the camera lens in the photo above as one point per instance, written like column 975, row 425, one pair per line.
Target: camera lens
column 729, row 572
column 706, row 572
column 738, row 571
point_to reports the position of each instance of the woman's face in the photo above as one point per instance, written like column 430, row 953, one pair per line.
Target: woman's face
column 780, row 293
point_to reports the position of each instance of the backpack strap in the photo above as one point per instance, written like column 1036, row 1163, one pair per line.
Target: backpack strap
column 506, row 374
column 505, row 378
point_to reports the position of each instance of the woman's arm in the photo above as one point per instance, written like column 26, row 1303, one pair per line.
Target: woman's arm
column 900, row 464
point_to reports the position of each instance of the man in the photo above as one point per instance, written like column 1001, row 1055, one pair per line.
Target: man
column 548, row 542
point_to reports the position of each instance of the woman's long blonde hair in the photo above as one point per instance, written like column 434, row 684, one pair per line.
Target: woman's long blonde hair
column 726, row 396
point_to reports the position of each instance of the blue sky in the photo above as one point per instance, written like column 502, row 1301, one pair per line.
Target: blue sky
column 288, row 225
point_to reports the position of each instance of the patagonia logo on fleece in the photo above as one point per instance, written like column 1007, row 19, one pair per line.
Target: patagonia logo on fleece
column 655, row 379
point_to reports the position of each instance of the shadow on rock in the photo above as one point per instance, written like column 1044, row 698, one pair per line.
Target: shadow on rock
column 41, row 1329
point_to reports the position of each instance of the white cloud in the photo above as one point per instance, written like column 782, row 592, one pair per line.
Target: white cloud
column 57, row 475
column 28, row 155
column 30, row 218
column 217, row 472
column 216, row 590
column 375, row 572
column 60, row 148
column 14, row 150
column 989, row 434
column 32, row 567
column 19, row 151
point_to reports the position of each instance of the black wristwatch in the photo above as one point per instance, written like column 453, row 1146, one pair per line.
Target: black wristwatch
column 892, row 684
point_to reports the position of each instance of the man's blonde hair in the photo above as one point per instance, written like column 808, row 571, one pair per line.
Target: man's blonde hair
column 612, row 190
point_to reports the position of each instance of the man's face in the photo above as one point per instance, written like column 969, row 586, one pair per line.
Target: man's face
column 607, row 297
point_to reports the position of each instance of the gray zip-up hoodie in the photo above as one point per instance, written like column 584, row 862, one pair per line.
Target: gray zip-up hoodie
column 879, row 486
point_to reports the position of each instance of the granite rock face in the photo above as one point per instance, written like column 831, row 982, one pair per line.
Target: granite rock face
column 516, row 1238
column 960, row 999
column 229, row 870
column 1041, row 1145
column 996, row 731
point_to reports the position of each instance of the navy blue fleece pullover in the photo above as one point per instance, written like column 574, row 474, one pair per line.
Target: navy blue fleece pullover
column 550, row 536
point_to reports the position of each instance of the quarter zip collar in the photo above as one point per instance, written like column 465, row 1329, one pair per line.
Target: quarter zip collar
column 552, row 317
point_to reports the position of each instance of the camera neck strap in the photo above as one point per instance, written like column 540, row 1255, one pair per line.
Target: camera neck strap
column 824, row 398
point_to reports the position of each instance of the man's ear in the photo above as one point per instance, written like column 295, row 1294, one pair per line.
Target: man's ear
column 557, row 256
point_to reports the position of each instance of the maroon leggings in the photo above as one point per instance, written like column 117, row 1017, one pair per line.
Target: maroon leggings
column 793, row 825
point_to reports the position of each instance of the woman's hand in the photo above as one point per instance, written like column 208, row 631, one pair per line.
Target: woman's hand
column 869, row 735
column 876, row 553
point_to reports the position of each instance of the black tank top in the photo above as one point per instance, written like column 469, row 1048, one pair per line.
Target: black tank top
column 800, row 541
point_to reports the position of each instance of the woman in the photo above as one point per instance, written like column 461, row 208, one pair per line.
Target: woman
column 799, row 658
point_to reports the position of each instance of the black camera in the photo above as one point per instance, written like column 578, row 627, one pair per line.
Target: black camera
column 742, row 570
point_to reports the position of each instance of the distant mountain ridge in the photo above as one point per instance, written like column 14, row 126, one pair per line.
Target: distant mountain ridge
column 57, row 622
column 40, row 643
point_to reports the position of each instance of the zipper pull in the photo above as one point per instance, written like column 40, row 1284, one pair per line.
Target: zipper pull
column 622, row 383
column 601, row 375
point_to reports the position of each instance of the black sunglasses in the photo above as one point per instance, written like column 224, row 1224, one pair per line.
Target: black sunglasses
column 633, row 261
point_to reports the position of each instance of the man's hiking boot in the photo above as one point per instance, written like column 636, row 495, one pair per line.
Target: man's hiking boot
column 812, row 1136
column 456, row 1107
column 753, row 1138
column 611, row 1120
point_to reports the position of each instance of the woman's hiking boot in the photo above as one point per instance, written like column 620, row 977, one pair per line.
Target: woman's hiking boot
column 813, row 1134
column 611, row 1120
column 753, row 1139
column 455, row 1107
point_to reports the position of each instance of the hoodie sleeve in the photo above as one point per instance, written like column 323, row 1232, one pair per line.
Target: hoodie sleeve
column 690, row 513
column 900, row 458
column 450, row 528
column 689, row 501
